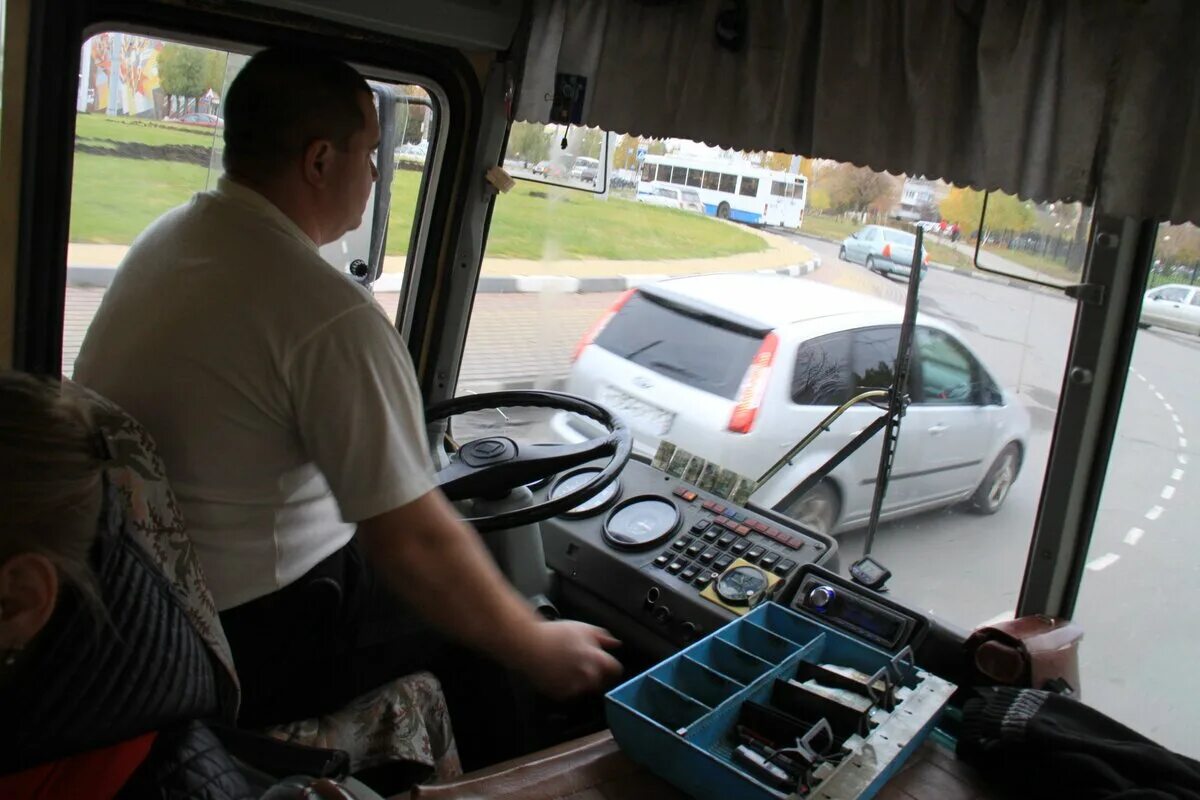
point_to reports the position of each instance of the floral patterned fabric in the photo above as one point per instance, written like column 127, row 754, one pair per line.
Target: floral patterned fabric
column 405, row 720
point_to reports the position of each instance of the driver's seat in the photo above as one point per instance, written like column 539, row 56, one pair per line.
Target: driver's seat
column 403, row 722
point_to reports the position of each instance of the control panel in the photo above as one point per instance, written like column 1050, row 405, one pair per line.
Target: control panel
column 679, row 560
column 857, row 610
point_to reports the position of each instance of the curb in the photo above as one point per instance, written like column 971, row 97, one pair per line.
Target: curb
column 102, row 277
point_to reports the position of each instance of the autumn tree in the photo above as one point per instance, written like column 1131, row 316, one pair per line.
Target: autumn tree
column 189, row 72
column 530, row 141
column 1005, row 212
column 859, row 189
column 781, row 162
column 625, row 156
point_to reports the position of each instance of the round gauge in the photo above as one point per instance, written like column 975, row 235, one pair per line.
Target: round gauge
column 641, row 522
column 572, row 481
column 742, row 586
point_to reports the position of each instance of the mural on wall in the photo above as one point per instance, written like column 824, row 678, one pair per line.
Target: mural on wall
column 135, row 78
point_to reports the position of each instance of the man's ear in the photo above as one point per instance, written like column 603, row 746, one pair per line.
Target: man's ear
column 28, row 596
column 316, row 161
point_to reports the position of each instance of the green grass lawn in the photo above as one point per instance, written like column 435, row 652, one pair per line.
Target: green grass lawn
column 1047, row 266
column 114, row 199
column 124, row 129
column 838, row 228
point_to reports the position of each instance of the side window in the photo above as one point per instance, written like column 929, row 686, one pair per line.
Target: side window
column 648, row 172
column 149, row 135
column 1196, row 299
column 873, row 357
column 711, row 180
column 948, row 373
column 728, row 183
column 749, row 187
column 872, row 235
column 779, row 189
column 679, row 175
column 1173, row 294
column 695, row 177
column 822, row 373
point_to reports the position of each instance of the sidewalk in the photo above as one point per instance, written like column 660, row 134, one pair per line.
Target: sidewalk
column 95, row 264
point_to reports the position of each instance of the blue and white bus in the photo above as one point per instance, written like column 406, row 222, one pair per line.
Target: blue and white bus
column 732, row 189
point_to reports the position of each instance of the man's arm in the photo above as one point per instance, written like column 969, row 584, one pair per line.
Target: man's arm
column 437, row 564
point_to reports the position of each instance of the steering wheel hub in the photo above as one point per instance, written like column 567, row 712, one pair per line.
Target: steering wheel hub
column 493, row 450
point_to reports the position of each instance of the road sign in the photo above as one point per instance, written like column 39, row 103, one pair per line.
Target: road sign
column 641, row 154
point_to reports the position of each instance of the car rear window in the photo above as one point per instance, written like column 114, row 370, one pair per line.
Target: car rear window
column 690, row 348
column 832, row 369
column 899, row 237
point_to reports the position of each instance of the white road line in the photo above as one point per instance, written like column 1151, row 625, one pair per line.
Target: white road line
column 1154, row 513
column 1179, row 429
column 1106, row 560
column 1004, row 617
column 1150, row 387
column 1134, row 536
column 1141, row 377
column 1175, row 418
column 1168, row 407
column 1182, row 457
column 1176, row 474
column 1168, row 492
column 1182, row 442
column 1159, row 396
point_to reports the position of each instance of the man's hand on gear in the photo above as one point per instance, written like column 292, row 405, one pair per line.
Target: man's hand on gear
column 563, row 659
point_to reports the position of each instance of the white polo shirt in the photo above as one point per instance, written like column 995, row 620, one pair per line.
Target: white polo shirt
column 283, row 402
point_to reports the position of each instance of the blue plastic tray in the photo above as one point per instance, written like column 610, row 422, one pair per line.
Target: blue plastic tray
column 678, row 718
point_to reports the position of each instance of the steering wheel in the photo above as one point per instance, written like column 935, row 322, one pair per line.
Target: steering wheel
column 495, row 465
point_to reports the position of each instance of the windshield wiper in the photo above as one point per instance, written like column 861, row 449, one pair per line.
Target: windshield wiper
column 666, row 367
column 642, row 349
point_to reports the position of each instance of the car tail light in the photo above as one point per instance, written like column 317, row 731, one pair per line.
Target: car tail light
column 590, row 335
column 754, row 386
column 887, row 251
column 926, row 260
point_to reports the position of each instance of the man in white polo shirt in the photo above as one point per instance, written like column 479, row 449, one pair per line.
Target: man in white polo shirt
column 286, row 409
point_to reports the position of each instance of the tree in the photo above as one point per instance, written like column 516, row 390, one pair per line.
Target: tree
column 589, row 142
column 1005, row 212
column 657, row 147
column 625, row 156
column 962, row 207
column 530, row 141
column 780, row 162
column 859, row 189
column 818, row 199
column 189, row 72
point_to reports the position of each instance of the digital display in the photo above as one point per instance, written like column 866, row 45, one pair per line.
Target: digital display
column 883, row 626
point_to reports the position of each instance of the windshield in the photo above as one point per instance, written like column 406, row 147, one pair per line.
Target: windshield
column 682, row 346
column 899, row 237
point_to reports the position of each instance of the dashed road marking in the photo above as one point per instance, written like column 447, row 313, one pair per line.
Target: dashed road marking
column 1168, row 492
column 1179, row 429
column 1134, row 536
column 1176, row 474
column 1141, row 377
column 1154, row 513
column 1175, row 418
column 1106, row 560
column 1182, row 442
column 1168, row 407
column 1182, row 458
column 1159, row 396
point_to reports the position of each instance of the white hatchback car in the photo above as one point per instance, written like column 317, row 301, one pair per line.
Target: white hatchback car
column 1175, row 306
column 685, row 199
column 738, row 368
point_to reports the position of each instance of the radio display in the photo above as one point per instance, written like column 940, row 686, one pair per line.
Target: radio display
column 882, row 625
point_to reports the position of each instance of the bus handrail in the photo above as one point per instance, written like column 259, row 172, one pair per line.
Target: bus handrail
column 819, row 428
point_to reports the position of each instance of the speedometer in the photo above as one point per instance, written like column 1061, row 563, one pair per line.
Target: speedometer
column 641, row 522
column 572, row 481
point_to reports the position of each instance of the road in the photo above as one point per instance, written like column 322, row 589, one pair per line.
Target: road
column 1141, row 587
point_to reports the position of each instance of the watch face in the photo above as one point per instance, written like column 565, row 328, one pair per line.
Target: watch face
column 742, row 586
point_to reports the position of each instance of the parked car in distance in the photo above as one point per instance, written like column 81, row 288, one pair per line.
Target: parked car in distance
column 887, row 251
column 929, row 226
column 202, row 120
column 585, row 169
column 684, row 199
column 737, row 368
column 1175, row 306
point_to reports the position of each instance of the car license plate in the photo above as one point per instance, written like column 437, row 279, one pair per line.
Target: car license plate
column 638, row 413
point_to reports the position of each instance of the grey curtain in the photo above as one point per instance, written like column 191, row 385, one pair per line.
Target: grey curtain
column 1049, row 100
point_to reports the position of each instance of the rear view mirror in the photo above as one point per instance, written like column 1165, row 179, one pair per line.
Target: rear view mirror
column 535, row 153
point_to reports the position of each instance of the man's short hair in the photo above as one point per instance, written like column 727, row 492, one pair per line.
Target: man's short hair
column 281, row 101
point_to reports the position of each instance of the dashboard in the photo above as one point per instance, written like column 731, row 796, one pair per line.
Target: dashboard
column 678, row 561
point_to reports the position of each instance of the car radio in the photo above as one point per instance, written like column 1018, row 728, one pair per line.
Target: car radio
column 857, row 610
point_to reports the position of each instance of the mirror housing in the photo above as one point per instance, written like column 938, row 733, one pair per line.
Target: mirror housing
column 584, row 164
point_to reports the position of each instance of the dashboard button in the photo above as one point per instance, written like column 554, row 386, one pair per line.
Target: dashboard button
column 708, row 555
column 694, row 549
column 784, row 567
column 769, row 560
column 704, row 579
column 701, row 526
column 739, row 547
column 681, row 542
column 690, row 573
column 726, row 540
column 662, row 561
column 721, row 520
column 722, row 563
column 712, row 533
column 755, row 553
column 821, row 597
column 742, row 530
column 676, row 566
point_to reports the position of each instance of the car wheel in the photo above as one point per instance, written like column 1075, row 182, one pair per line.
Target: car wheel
column 723, row 211
column 818, row 509
column 870, row 263
column 994, row 489
column 842, row 255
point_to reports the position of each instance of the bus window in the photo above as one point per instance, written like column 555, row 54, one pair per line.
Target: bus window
column 728, row 183
column 1139, row 593
column 695, row 177
column 148, row 135
column 780, row 189
column 712, row 181
column 679, row 175
column 648, row 171
column 748, row 187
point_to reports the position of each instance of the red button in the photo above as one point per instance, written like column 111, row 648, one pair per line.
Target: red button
column 710, row 505
column 688, row 496
column 774, row 533
column 721, row 521
column 742, row 530
column 759, row 526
